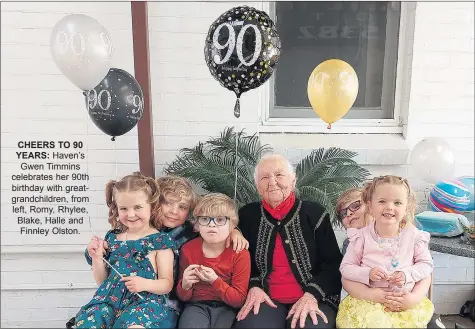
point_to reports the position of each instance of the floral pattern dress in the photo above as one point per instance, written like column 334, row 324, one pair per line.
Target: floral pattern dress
column 113, row 305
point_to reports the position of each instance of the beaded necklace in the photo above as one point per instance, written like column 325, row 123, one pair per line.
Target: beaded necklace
column 389, row 252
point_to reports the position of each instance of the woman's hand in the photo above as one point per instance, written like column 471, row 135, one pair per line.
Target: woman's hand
column 97, row 248
column 237, row 240
column 135, row 283
column 189, row 277
column 255, row 297
column 378, row 295
column 306, row 305
column 400, row 301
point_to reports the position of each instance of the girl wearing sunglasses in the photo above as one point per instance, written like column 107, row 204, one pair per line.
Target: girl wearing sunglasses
column 351, row 211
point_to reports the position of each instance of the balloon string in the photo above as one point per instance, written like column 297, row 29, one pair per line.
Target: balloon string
column 115, row 160
column 87, row 161
column 89, row 217
column 236, row 168
column 106, row 261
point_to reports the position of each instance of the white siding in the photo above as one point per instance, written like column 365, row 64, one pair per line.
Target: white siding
column 45, row 289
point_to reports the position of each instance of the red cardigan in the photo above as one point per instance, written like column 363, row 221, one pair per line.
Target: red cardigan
column 233, row 270
column 283, row 287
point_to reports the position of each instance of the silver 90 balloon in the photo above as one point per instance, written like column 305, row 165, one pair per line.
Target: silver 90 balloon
column 81, row 48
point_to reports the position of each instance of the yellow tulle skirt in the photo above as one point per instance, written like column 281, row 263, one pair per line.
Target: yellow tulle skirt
column 359, row 313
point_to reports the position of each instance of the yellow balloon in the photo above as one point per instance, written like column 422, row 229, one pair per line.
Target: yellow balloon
column 332, row 89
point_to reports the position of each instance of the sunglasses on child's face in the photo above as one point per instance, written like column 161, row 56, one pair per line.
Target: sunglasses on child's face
column 354, row 206
column 206, row 220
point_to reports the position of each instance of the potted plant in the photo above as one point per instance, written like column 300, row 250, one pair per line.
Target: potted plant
column 321, row 176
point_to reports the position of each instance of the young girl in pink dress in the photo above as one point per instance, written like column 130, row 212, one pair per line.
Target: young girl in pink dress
column 390, row 253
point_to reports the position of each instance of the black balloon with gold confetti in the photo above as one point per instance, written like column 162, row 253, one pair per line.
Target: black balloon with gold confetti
column 242, row 49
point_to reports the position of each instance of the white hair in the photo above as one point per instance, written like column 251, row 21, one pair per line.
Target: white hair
column 273, row 156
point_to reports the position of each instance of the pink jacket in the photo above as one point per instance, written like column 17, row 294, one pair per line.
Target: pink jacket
column 364, row 253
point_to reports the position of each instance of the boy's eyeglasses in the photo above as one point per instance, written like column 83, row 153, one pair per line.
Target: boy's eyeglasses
column 354, row 206
column 206, row 220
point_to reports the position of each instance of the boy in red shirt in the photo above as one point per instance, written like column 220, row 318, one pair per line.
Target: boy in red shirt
column 213, row 279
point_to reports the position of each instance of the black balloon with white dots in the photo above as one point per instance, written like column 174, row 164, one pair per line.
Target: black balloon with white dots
column 116, row 104
column 242, row 49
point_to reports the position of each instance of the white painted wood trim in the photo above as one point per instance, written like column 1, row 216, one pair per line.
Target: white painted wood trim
column 302, row 128
column 404, row 63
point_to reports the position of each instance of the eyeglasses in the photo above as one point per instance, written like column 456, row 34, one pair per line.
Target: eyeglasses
column 354, row 206
column 206, row 220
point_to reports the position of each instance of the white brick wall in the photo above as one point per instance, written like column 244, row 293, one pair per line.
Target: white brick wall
column 453, row 282
column 43, row 290
column 39, row 103
column 443, row 78
column 189, row 106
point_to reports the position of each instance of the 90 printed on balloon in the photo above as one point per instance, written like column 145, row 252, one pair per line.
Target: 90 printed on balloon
column 76, row 43
column 241, row 49
column 116, row 104
column 103, row 100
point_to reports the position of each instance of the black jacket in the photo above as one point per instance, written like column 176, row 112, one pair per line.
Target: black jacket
column 309, row 242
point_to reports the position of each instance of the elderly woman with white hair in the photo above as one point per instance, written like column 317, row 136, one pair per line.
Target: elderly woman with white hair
column 295, row 258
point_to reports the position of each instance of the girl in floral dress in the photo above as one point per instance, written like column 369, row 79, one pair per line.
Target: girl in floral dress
column 139, row 252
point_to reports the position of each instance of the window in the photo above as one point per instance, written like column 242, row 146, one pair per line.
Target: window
column 364, row 34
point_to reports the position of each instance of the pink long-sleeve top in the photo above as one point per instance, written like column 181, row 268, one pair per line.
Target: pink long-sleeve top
column 364, row 253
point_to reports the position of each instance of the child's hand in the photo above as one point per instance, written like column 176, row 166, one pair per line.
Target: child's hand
column 237, row 240
column 135, row 283
column 398, row 278
column 377, row 274
column 189, row 277
column 206, row 274
column 400, row 301
column 97, row 248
